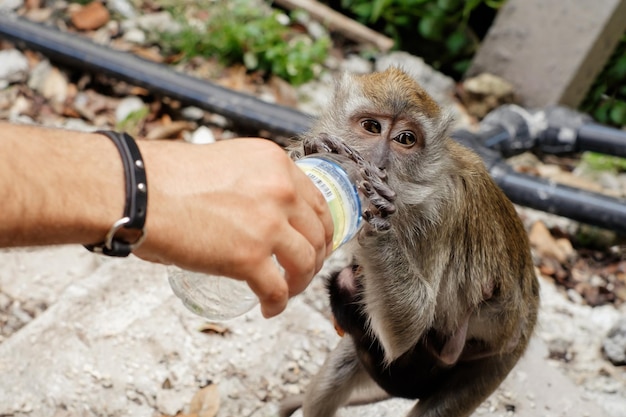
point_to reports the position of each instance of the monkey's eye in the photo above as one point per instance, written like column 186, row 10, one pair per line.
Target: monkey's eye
column 371, row 126
column 406, row 139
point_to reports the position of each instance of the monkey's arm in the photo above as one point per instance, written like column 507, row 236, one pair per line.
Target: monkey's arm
column 372, row 185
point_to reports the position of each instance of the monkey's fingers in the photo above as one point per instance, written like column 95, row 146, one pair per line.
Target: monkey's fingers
column 378, row 179
column 325, row 143
column 375, row 186
column 375, row 226
column 321, row 144
column 380, row 202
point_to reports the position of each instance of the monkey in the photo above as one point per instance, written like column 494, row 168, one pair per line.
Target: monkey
column 441, row 298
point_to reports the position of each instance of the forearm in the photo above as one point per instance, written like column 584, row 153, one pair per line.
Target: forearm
column 228, row 208
column 57, row 186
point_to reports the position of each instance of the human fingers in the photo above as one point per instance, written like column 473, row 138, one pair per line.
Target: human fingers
column 270, row 287
column 300, row 261
column 315, row 201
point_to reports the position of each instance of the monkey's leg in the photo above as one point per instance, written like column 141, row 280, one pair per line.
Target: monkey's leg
column 331, row 388
column 465, row 387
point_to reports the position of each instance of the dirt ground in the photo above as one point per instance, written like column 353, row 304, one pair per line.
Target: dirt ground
column 115, row 341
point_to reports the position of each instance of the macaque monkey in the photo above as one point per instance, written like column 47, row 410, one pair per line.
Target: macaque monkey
column 441, row 299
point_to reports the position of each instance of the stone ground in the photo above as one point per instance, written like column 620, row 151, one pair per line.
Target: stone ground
column 115, row 341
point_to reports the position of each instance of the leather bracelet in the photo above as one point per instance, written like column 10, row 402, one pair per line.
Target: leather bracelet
column 136, row 204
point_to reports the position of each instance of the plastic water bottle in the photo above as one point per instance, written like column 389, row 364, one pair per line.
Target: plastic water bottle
column 221, row 298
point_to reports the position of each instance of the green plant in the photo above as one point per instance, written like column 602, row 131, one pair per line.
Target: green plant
column 606, row 100
column 133, row 122
column 440, row 31
column 260, row 38
column 602, row 162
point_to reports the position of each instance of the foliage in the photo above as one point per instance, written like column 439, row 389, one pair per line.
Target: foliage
column 602, row 162
column 606, row 100
column 440, row 31
column 132, row 123
column 260, row 38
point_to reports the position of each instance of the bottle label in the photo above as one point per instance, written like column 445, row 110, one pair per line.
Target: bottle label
column 340, row 193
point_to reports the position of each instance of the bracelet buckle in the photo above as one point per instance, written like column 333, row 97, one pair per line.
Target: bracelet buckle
column 136, row 203
column 110, row 241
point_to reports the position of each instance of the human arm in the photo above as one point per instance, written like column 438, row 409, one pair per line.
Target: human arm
column 224, row 208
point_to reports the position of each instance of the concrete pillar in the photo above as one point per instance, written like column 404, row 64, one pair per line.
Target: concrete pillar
column 551, row 50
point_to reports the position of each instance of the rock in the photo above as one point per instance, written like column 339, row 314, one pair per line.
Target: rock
column 128, row 106
column 90, row 17
column 170, row 130
column 123, row 7
column 614, row 345
column 135, row 35
column 39, row 15
column 485, row 92
column 546, row 245
column 193, row 113
column 356, row 65
column 201, row 136
column 153, row 22
column 314, row 96
column 49, row 82
column 11, row 4
column 14, row 67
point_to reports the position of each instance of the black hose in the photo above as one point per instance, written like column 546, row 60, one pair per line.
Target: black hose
column 512, row 130
column 598, row 138
column 540, row 194
column 573, row 203
column 73, row 50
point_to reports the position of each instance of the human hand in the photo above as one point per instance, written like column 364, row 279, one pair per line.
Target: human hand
column 227, row 208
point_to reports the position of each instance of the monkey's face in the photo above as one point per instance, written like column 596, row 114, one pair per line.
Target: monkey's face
column 392, row 122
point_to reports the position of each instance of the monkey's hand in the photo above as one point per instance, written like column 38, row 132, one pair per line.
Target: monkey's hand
column 372, row 184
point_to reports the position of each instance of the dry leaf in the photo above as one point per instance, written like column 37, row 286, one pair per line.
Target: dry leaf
column 545, row 244
column 90, row 17
column 214, row 328
column 205, row 402
column 170, row 130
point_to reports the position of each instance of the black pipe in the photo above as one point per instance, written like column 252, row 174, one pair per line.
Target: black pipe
column 583, row 206
column 598, row 138
column 573, row 203
column 76, row 51
column 511, row 130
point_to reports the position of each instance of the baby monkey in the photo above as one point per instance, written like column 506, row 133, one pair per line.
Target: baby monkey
column 441, row 299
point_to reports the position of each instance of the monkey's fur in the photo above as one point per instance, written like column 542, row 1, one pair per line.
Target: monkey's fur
column 442, row 297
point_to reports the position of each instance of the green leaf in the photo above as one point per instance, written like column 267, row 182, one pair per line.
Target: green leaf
column 601, row 114
column 469, row 6
column 363, row 11
column 618, row 70
column 431, row 27
column 456, row 42
column 448, row 5
column 377, row 9
column 617, row 114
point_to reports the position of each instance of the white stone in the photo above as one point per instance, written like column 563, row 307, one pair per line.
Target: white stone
column 127, row 106
column 14, row 67
column 201, row 136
